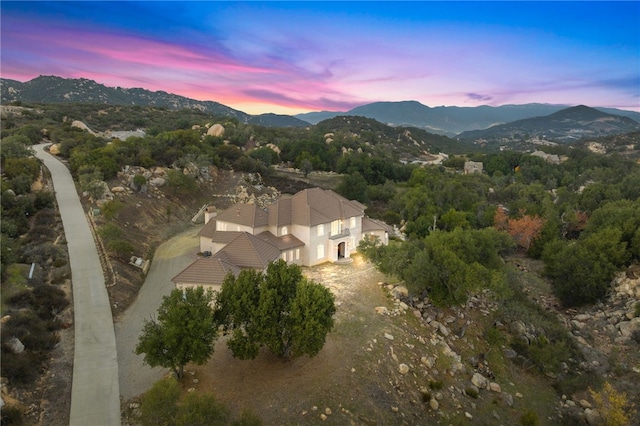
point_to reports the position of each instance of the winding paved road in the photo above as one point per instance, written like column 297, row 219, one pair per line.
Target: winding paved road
column 95, row 393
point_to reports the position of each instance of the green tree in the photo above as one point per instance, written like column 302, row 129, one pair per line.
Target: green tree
column 279, row 309
column 91, row 182
column 184, row 332
column 582, row 270
column 354, row 187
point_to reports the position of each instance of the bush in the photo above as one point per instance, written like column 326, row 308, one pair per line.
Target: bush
column 12, row 415
column 21, row 368
column 159, row 405
column 201, row 410
column 248, row 418
column 121, row 248
column 472, row 392
column 436, row 384
column 529, row 418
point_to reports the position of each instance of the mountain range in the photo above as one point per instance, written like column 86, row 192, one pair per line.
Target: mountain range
column 566, row 125
column 494, row 122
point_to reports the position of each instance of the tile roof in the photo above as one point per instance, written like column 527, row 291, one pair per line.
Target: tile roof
column 206, row 271
column 369, row 224
column 244, row 214
column 225, row 237
column 284, row 242
column 208, row 229
column 248, row 251
column 314, row 206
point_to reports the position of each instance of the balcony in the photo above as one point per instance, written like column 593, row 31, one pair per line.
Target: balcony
column 344, row 233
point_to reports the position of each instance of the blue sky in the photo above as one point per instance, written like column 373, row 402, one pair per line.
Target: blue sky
column 291, row 57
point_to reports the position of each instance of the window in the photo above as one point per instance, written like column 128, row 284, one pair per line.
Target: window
column 336, row 227
column 284, row 256
column 290, row 255
column 221, row 226
column 284, row 231
column 320, row 230
column 353, row 223
column 320, row 251
column 297, row 254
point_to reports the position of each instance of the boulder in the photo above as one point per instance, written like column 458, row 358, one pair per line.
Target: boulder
column 403, row 368
column 54, row 149
column 400, row 291
column 15, row 345
column 592, row 416
column 118, row 189
column 480, row 381
column 216, row 130
column 627, row 328
column 494, row 387
column 433, row 404
column 157, row 181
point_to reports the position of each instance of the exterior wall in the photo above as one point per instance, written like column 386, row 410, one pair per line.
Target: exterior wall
column 228, row 226
column 216, row 247
column 216, row 288
column 382, row 235
column 206, row 244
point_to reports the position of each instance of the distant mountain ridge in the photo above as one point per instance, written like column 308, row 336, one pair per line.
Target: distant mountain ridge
column 450, row 120
column 52, row 89
column 567, row 125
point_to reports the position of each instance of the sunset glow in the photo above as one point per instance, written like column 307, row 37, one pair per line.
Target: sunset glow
column 298, row 57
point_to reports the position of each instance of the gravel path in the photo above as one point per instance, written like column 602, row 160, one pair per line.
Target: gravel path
column 169, row 259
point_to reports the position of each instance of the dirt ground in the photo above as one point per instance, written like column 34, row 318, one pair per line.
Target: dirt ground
column 332, row 379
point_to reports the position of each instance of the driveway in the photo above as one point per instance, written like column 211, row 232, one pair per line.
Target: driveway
column 95, row 391
column 169, row 259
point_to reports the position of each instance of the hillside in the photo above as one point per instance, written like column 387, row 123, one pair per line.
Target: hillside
column 52, row 89
column 567, row 125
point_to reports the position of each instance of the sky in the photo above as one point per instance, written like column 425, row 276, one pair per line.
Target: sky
column 295, row 57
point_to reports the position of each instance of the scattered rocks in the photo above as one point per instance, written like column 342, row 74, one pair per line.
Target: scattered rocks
column 480, row 381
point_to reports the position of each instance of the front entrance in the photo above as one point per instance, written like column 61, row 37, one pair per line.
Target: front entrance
column 341, row 250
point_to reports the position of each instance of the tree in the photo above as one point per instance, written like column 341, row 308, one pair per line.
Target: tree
column 306, row 167
column 91, row 182
column 279, row 309
column 582, row 270
column 353, row 187
column 184, row 332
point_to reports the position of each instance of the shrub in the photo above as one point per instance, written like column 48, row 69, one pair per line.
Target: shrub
column 472, row 392
column 121, row 248
column 21, row 368
column 248, row 418
column 436, row 384
column 159, row 405
column 201, row 410
column 529, row 418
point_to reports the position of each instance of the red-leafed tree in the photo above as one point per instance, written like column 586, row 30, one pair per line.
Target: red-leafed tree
column 524, row 230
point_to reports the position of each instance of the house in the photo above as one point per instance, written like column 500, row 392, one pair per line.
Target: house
column 313, row 226
column 472, row 167
column 549, row 158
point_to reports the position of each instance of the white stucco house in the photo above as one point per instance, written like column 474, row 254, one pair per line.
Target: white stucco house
column 313, row 226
